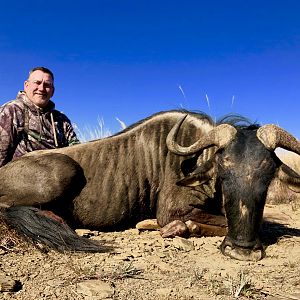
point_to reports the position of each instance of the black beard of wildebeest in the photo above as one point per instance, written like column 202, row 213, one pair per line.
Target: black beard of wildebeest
column 196, row 176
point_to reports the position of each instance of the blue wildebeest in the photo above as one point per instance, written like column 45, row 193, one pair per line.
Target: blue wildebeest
column 194, row 175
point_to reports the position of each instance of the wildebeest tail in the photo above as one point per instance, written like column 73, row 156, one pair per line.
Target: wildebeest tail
column 47, row 228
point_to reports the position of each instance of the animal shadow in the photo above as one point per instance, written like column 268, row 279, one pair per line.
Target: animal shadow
column 271, row 232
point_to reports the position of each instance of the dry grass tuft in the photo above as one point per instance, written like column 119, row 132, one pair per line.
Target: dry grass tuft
column 121, row 272
column 236, row 286
column 89, row 133
column 240, row 285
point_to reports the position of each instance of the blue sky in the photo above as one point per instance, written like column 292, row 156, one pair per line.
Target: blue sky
column 129, row 59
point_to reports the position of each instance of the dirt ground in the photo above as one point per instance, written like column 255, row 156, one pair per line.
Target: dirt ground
column 145, row 266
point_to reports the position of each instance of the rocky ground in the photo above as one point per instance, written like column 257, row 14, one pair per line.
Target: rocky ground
column 145, row 266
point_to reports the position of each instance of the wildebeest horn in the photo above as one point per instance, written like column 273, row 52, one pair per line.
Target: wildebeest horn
column 220, row 136
column 289, row 177
column 273, row 136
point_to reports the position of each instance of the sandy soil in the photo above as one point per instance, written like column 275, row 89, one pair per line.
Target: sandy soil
column 145, row 266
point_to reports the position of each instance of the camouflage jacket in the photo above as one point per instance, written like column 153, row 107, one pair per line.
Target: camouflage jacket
column 24, row 128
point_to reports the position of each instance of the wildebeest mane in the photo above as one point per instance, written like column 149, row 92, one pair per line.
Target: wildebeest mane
column 235, row 120
column 198, row 114
column 238, row 121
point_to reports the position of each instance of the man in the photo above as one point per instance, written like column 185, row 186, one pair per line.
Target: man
column 30, row 122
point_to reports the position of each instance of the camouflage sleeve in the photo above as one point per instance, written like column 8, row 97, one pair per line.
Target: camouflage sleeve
column 69, row 132
column 8, row 133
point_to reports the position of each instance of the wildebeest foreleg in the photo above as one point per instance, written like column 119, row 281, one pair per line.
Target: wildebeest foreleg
column 191, row 228
column 175, row 228
column 196, row 223
column 201, row 223
column 199, row 229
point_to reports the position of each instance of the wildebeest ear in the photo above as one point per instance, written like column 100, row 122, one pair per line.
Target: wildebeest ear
column 199, row 176
column 289, row 177
column 188, row 165
column 191, row 181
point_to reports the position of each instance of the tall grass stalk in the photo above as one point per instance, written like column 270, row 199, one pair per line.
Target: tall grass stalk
column 99, row 131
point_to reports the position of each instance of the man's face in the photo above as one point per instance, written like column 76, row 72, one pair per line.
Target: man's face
column 39, row 88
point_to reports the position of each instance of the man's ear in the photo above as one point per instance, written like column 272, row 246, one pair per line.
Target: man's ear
column 25, row 84
column 53, row 89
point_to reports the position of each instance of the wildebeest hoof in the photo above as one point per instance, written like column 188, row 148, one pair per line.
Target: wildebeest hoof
column 175, row 228
column 241, row 253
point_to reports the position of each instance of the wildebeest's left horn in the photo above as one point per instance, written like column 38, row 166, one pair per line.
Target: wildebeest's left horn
column 220, row 136
column 273, row 136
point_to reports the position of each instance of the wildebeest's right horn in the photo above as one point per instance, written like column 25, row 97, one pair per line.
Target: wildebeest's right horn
column 273, row 136
column 220, row 136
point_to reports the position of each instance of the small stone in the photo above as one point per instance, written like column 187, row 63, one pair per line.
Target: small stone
column 7, row 284
column 84, row 232
column 295, row 295
column 183, row 244
column 97, row 288
column 164, row 267
column 123, row 256
column 164, row 291
column 149, row 224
